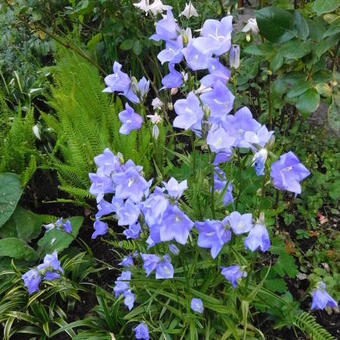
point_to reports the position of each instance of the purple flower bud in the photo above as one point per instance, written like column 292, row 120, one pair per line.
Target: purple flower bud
column 197, row 305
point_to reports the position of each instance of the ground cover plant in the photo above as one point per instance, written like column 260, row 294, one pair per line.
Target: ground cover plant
column 192, row 192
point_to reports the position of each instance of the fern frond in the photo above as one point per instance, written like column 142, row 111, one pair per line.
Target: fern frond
column 307, row 324
column 126, row 245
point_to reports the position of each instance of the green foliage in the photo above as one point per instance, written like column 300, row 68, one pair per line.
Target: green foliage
column 86, row 123
column 17, row 142
column 10, row 193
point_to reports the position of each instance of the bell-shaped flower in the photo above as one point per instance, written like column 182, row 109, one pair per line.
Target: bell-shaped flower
column 150, row 262
column 288, row 172
column 167, row 28
column 212, row 235
column 251, row 26
column 118, row 81
column 234, row 56
column 127, row 261
column 217, row 72
column 158, row 7
column 240, row 224
column 197, row 305
column 219, row 100
column 175, row 225
column 172, row 53
column 128, row 213
column 122, row 284
column 259, row 161
column 142, row 331
column 107, row 163
column 154, row 207
column 130, row 120
column 164, row 269
column 195, row 58
column 233, row 274
column 189, row 113
column 189, row 11
column 321, row 299
column 173, row 79
column 129, row 299
column 175, row 189
column 100, row 228
column 257, row 238
column 133, row 231
column 32, row 280
column 219, row 140
column 105, row 208
column 100, row 185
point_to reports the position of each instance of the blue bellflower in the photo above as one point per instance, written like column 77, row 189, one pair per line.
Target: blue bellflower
column 32, row 280
column 233, row 274
column 288, row 172
column 133, row 231
column 257, row 238
column 130, row 120
column 175, row 189
column 197, row 305
column 240, row 224
column 321, row 299
column 142, row 331
column 100, row 229
column 173, row 79
column 167, row 28
column 128, row 213
column 212, row 235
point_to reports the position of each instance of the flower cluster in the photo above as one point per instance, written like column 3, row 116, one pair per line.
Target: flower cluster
column 49, row 270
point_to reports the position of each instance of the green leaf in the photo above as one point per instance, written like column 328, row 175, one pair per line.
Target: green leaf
column 325, row 45
column 10, row 193
column 275, row 24
column 137, row 47
column 259, row 50
column 295, row 49
column 17, row 249
column 334, row 29
column 334, row 192
column 308, row 102
column 298, row 89
column 276, row 62
column 91, row 45
column 24, row 224
column 285, row 265
column 276, row 285
column 126, row 44
column 325, row 6
column 334, row 116
column 57, row 240
column 301, row 25
column 316, row 29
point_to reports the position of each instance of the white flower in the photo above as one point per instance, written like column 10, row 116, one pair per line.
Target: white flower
column 251, row 26
column 155, row 119
column 158, row 7
column 156, row 103
column 189, row 11
column 36, row 131
column 143, row 5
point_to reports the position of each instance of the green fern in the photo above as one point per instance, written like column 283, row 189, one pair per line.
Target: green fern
column 130, row 246
column 17, row 142
column 307, row 324
column 86, row 123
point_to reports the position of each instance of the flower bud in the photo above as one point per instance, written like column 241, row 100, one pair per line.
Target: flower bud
column 234, row 56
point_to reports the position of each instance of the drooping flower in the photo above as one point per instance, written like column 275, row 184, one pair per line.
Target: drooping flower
column 32, row 280
column 158, row 7
column 212, row 235
column 234, row 56
column 130, row 184
column 51, row 262
column 220, row 183
column 172, row 52
column 175, row 189
column 105, row 208
column 175, row 225
column 118, row 81
column 100, row 228
column 122, row 283
column 321, row 299
column 197, row 305
column 233, row 274
column 259, row 160
column 150, row 262
column 130, row 120
column 129, row 299
column 133, row 231
column 127, row 261
column 189, row 113
column 143, row 87
column 164, row 269
column 67, row 226
column 288, row 172
column 251, row 26
column 167, row 28
column 173, row 79
column 189, row 11
column 142, row 331
column 257, row 238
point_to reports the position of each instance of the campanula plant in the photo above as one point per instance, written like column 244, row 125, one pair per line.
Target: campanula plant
column 199, row 244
